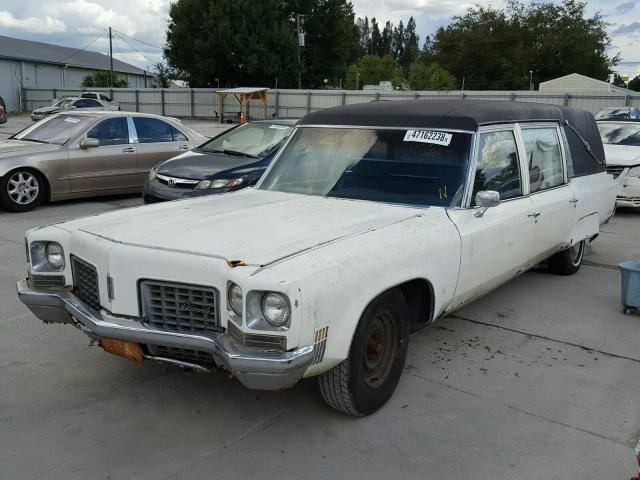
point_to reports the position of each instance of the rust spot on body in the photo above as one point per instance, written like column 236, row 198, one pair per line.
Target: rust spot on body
column 236, row 263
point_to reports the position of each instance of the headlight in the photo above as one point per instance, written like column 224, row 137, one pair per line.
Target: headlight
column 634, row 172
column 276, row 308
column 152, row 174
column 234, row 297
column 54, row 255
column 220, row 183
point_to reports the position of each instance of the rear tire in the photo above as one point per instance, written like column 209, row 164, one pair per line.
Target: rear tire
column 22, row 190
column 568, row 261
column 364, row 382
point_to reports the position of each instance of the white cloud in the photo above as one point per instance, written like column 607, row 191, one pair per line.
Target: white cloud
column 45, row 24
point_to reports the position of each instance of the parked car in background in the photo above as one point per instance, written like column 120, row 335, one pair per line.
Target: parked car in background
column 618, row 113
column 235, row 159
column 85, row 154
column 3, row 111
column 72, row 103
column 622, row 148
column 372, row 221
column 96, row 96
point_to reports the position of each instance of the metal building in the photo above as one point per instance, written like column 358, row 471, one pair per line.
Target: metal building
column 577, row 83
column 25, row 64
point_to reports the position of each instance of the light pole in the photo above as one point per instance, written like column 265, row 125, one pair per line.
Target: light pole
column 531, row 80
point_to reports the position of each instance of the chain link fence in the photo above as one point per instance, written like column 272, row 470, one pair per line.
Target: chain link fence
column 203, row 102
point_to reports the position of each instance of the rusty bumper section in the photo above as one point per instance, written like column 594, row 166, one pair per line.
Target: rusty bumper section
column 255, row 369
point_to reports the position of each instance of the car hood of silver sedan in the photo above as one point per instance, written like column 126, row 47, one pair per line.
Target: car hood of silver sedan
column 251, row 227
column 11, row 148
column 622, row 155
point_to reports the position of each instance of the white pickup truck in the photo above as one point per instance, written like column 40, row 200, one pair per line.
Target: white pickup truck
column 373, row 221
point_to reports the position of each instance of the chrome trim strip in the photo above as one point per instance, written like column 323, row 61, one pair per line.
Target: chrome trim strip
column 373, row 127
column 178, row 181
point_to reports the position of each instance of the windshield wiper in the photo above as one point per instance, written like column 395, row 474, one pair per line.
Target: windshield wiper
column 234, row 153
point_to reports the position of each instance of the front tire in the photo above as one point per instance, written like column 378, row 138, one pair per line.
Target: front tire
column 568, row 261
column 22, row 190
column 364, row 382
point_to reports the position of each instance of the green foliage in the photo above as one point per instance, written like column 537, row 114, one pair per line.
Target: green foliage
column 371, row 70
column 496, row 49
column 430, row 77
column 164, row 75
column 634, row 84
column 102, row 79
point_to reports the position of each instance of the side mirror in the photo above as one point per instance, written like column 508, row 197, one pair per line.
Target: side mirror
column 485, row 200
column 90, row 143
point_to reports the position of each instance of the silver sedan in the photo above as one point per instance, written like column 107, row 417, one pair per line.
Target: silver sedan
column 86, row 154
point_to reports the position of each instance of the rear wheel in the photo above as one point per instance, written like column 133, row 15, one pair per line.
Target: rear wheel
column 568, row 261
column 368, row 377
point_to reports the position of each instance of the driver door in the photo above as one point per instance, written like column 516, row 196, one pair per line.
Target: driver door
column 111, row 165
column 500, row 243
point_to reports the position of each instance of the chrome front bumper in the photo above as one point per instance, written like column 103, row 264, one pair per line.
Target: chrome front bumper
column 256, row 369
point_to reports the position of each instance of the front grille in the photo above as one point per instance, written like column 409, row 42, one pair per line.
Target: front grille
column 85, row 282
column 179, row 306
column 615, row 171
column 47, row 281
column 276, row 343
column 194, row 356
column 179, row 183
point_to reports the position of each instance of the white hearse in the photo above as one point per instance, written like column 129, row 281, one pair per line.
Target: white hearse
column 373, row 221
column 622, row 148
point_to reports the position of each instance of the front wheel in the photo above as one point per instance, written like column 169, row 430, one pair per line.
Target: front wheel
column 22, row 190
column 568, row 261
column 364, row 382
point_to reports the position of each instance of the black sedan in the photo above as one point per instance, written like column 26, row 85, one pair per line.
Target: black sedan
column 230, row 161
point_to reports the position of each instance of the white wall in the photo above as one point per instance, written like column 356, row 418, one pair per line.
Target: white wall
column 45, row 76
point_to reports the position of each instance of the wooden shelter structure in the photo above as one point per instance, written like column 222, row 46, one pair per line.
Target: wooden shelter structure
column 243, row 95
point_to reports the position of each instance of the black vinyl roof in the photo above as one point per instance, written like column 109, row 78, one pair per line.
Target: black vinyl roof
column 587, row 152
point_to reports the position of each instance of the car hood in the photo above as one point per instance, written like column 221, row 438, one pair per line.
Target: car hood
column 200, row 166
column 622, row 155
column 45, row 110
column 250, row 227
column 10, row 148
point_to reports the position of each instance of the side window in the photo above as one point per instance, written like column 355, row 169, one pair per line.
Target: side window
column 152, row 130
column 178, row 136
column 498, row 168
column 113, row 131
column 544, row 157
column 105, row 98
column 86, row 103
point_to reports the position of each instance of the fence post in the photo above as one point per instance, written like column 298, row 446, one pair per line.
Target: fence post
column 627, row 100
column 193, row 104
column 23, row 100
column 512, row 97
column 111, row 93
column 344, row 97
column 137, row 100
column 377, row 95
column 55, row 94
column 162, row 101
column 567, row 99
column 277, row 104
column 308, row 102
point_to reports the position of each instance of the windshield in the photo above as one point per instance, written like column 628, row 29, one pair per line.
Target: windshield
column 620, row 133
column 417, row 167
column 57, row 129
column 252, row 139
column 619, row 113
column 65, row 102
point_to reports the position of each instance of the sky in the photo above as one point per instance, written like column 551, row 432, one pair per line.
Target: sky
column 140, row 25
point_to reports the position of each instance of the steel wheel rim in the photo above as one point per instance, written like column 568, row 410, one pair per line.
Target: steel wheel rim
column 380, row 349
column 576, row 253
column 23, row 188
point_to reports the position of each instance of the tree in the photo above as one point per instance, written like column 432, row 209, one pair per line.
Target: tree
column 387, row 40
column 376, row 38
column 240, row 42
column 618, row 81
column 364, row 34
column 430, row 77
column 634, row 84
column 410, row 44
column 102, row 79
column 164, row 75
column 496, row 49
column 371, row 70
column 397, row 42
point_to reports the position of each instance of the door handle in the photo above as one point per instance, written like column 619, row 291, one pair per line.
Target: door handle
column 128, row 150
column 574, row 201
column 534, row 215
column 183, row 147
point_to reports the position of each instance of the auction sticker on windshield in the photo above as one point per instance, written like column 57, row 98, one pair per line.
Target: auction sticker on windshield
column 428, row 136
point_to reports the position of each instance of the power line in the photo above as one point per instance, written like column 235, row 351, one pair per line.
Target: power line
column 139, row 41
column 85, row 47
column 134, row 48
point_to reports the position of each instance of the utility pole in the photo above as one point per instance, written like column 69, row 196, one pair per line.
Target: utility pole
column 110, row 60
column 299, row 28
column 531, row 80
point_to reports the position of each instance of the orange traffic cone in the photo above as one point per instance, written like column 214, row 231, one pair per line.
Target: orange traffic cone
column 242, row 120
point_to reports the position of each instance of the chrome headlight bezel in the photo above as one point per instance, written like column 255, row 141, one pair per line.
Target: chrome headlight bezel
column 219, row 183
column 278, row 313
column 634, row 172
column 43, row 259
column 235, row 299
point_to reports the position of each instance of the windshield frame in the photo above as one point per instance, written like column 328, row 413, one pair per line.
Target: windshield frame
column 49, row 118
column 468, row 174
